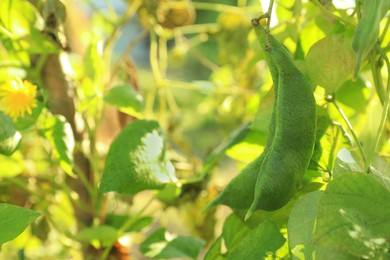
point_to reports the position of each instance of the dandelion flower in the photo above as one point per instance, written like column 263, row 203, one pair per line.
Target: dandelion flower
column 17, row 97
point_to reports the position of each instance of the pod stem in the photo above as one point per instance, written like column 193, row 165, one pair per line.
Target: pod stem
column 355, row 138
column 267, row 15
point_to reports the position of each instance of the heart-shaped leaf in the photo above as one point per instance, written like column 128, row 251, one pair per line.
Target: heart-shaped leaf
column 137, row 160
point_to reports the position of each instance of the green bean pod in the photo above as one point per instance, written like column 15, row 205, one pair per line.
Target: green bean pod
column 292, row 146
column 239, row 193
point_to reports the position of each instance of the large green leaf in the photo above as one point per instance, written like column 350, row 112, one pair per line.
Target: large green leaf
column 125, row 98
column 162, row 245
column 354, row 217
column 14, row 220
column 300, row 229
column 330, row 62
column 59, row 132
column 301, row 224
column 137, row 160
column 259, row 242
column 9, row 137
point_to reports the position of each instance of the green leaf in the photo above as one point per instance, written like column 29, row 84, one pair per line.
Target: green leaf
column 234, row 230
column 330, row 62
column 11, row 166
column 18, row 17
column 214, row 252
column 59, row 132
column 137, row 160
column 261, row 241
column 125, row 98
column 118, row 221
column 380, row 170
column 354, row 217
column 323, row 123
column 170, row 192
column 9, row 137
column 38, row 43
column 300, row 229
column 104, row 234
column 301, row 224
column 346, row 162
column 14, row 220
column 353, row 94
column 161, row 244
column 93, row 61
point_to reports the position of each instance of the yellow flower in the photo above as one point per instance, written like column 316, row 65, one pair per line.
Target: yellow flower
column 17, row 98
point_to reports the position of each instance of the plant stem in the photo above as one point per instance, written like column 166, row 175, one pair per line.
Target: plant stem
column 384, row 113
column 376, row 75
column 382, row 37
column 355, row 138
column 328, row 12
column 217, row 7
column 131, row 10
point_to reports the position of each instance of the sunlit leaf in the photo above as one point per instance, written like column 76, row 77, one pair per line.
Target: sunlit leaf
column 301, row 224
column 9, row 137
column 125, row 98
column 137, row 160
column 18, row 17
column 162, row 244
column 13, row 220
column 380, row 169
column 330, row 62
column 353, row 95
column 104, row 234
column 59, row 132
column 354, row 216
column 260, row 241
column 300, row 229
column 170, row 192
column 332, row 141
column 11, row 166
column 346, row 162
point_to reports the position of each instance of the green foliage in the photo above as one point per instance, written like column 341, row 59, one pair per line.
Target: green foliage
column 330, row 69
column 9, row 136
column 137, row 160
column 246, row 242
column 59, row 133
column 148, row 114
column 14, row 220
column 353, row 217
column 162, row 245
column 125, row 99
